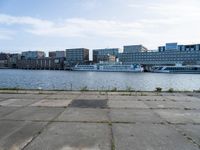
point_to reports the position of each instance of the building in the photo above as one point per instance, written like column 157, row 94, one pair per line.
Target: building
column 13, row 59
column 183, row 54
column 106, row 58
column 4, row 60
column 104, row 54
column 33, row 55
column 77, row 56
column 135, row 49
column 176, row 47
column 169, row 47
column 46, row 63
column 57, row 54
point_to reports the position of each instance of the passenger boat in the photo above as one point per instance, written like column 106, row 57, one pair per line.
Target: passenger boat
column 177, row 69
column 109, row 68
column 120, row 68
column 85, row 68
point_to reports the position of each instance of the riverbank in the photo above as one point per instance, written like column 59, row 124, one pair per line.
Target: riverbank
column 88, row 120
column 156, row 92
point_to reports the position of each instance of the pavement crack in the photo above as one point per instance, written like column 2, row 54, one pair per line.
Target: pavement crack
column 42, row 130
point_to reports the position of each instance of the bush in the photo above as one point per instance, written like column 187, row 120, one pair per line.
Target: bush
column 158, row 89
column 128, row 89
column 114, row 89
column 171, row 90
column 85, row 88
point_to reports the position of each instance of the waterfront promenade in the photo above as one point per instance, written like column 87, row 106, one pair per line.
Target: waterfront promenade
column 61, row 120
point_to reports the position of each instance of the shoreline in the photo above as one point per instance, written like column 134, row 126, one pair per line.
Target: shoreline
column 121, row 92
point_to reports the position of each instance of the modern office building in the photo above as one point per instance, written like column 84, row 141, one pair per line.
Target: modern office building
column 33, row 55
column 77, row 56
column 170, row 54
column 102, row 54
column 57, row 54
column 176, row 47
column 106, row 58
column 135, row 49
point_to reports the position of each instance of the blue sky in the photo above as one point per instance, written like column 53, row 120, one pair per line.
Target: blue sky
column 59, row 24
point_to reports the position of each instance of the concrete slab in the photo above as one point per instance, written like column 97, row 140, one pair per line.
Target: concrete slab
column 16, row 135
column 92, row 97
column 152, row 98
column 149, row 137
column 183, row 98
column 25, row 96
column 148, row 94
column 134, row 116
column 164, row 104
column 122, row 98
column 6, row 110
column 92, row 93
column 8, row 127
column 197, row 95
column 82, row 103
column 191, row 131
column 175, row 94
column 2, row 99
column 35, row 113
column 126, row 104
column 134, row 93
column 68, row 92
column 191, row 105
column 84, row 114
column 52, row 103
column 5, row 96
column 180, row 116
column 73, row 136
column 61, row 96
column 18, row 102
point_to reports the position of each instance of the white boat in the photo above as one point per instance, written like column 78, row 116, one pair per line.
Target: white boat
column 120, row 68
column 177, row 69
column 85, row 68
column 109, row 68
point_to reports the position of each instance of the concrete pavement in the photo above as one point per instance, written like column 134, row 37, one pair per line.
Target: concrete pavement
column 59, row 120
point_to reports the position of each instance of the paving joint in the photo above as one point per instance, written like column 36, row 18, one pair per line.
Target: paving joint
column 42, row 130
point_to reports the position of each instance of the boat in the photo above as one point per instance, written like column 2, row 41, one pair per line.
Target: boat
column 109, row 68
column 120, row 68
column 193, row 69
column 85, row 68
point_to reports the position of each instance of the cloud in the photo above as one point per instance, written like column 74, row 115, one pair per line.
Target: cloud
column 165, row 21
column 74, row 27
column 35, row 22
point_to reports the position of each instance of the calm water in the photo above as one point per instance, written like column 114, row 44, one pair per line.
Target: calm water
column 34, row 79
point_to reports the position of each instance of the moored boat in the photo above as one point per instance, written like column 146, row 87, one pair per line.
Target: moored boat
column 109, row 68
column 177, row 69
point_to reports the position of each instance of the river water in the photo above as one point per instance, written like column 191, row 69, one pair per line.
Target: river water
column 67, row 80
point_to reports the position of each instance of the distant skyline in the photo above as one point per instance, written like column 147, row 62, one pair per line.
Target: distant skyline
column 60, row 24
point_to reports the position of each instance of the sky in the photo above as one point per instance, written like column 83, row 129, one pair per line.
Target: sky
column 60, row 24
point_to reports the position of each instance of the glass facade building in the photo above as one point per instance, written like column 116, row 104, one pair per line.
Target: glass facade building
column 184, row 54
column 101, row 54
column 77, row 56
